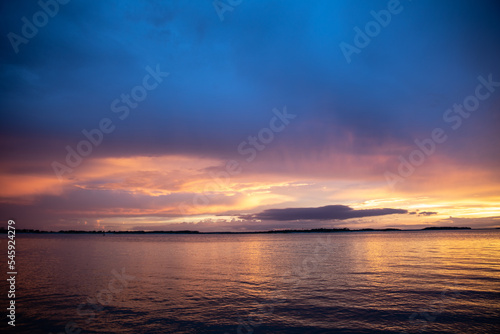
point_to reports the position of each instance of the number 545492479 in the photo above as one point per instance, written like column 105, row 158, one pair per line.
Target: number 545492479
column 11, row 253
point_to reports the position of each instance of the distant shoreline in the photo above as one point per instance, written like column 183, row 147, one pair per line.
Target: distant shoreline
column 314, row 230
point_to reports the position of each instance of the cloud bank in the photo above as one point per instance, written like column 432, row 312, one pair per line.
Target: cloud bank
column 328, row 212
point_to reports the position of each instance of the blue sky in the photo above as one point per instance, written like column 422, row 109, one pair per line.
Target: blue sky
column 225, row 78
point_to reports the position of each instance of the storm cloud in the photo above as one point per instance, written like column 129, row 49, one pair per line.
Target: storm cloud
column 353, row 120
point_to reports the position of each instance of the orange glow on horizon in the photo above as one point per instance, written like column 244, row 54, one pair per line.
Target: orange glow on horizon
column 183, row 187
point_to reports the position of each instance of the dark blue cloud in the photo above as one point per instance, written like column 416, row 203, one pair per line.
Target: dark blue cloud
column 427, row 213
column 329, row 212
column 227, row 76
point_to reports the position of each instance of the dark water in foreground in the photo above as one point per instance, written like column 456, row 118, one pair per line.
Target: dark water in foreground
column 366, row 282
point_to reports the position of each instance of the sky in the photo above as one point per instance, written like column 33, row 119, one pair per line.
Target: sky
column 238, row 115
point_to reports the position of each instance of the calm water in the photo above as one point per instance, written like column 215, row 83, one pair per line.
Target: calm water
column 367, row 282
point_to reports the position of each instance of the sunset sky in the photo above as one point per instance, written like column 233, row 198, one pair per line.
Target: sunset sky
column 168, row 115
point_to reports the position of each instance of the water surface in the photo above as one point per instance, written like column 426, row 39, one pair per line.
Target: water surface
column 357, row 282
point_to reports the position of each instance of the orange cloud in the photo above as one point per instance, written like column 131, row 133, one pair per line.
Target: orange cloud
column 22, row 185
